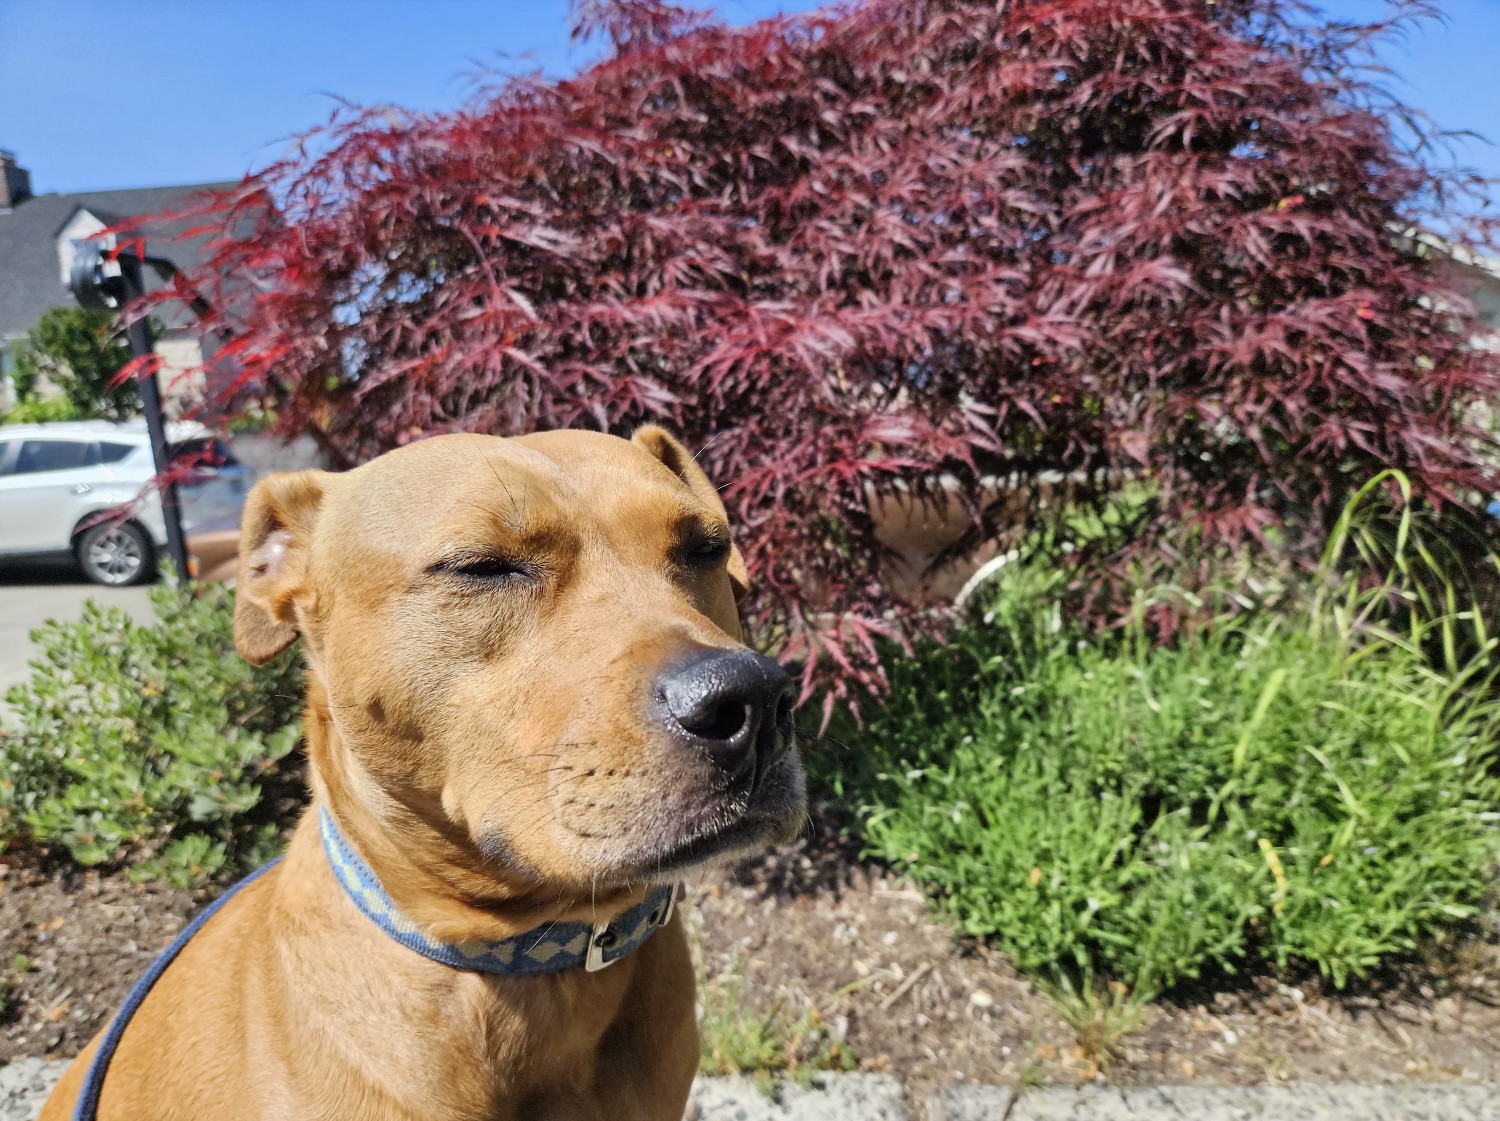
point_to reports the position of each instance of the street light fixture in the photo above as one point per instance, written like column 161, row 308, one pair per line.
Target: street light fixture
column 108, row 282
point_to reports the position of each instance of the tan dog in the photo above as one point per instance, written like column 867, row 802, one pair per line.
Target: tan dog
column 527, row 703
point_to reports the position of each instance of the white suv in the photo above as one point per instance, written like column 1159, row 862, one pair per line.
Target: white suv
column 56, row 480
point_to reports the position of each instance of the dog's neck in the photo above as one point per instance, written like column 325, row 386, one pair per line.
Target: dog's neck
column 427, row 865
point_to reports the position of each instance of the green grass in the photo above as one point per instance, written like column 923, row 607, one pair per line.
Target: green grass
column 1309, row 786
column 737, row 1039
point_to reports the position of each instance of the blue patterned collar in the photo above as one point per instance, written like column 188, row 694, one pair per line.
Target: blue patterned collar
column 547, row 949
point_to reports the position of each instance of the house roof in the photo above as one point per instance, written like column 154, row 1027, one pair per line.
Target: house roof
column 29, row 281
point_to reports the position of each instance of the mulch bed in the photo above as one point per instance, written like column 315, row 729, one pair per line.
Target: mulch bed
column 71, row 945
column 811, row 924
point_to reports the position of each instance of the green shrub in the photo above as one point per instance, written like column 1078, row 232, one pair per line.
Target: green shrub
column 37, row 410
column 1300, row 785
column 148, row 742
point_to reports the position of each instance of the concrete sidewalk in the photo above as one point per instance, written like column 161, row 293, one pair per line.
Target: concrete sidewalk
column 30, row 595
column 879, row 1097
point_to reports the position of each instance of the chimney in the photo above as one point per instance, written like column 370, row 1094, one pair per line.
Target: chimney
column 15, row 181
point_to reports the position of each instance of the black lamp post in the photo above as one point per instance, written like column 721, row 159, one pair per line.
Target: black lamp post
column 99, row 287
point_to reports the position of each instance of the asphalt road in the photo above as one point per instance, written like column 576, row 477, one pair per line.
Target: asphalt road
column 32, row 594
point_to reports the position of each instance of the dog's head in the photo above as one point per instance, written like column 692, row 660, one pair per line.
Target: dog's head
column 532, row 646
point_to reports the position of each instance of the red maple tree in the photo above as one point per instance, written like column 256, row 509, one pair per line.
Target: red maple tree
column 851, row 253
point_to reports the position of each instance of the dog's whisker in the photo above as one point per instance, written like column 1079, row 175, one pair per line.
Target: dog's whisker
column 530, row 780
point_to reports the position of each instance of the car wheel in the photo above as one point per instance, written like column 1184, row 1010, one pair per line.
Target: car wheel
column 115, row 554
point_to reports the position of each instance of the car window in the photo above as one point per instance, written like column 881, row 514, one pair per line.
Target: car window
column 55, row 455
column 205, row 451
column 6, row 448
column 113, row 453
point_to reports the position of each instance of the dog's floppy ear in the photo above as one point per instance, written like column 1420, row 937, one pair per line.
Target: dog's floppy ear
column 664, row 446
column 275, row 534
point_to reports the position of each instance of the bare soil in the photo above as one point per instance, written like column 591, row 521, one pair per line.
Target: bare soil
column 811, row 925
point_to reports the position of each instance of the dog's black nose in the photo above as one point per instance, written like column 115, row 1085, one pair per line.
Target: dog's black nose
column 733, row 704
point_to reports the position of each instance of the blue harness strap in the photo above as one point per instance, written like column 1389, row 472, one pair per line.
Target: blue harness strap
column 93, row 1085
column 548, row 949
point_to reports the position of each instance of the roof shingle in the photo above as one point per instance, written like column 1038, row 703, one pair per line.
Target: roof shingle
column 29, row 282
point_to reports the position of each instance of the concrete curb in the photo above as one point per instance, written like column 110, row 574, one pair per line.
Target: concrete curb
column 970, row 1103
column 879, row 1097
column 833, row 1097
column 855, row 1097
column 24, row 1085
column 1302, row 1102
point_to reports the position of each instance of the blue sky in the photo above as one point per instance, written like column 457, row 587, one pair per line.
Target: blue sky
column 215, row 86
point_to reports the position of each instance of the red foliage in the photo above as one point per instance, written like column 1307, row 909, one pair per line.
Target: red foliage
column 846, row 253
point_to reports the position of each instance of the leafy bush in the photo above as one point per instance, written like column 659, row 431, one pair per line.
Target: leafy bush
column 852, row 254
column 153, row 741
column 41, row 410
column 1287, row 786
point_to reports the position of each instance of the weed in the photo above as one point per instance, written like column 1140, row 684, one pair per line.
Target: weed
column 1032, row 1074
column 1276, row 1064
column 739, row 1040
column 1100, row 1015
column 734, row 1038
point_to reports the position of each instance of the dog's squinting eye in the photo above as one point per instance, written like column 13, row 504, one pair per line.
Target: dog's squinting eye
column 489, row 570
column 706, row 552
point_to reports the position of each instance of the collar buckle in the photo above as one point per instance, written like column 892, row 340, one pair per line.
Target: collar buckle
column 677, row 892
column 603, row 937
